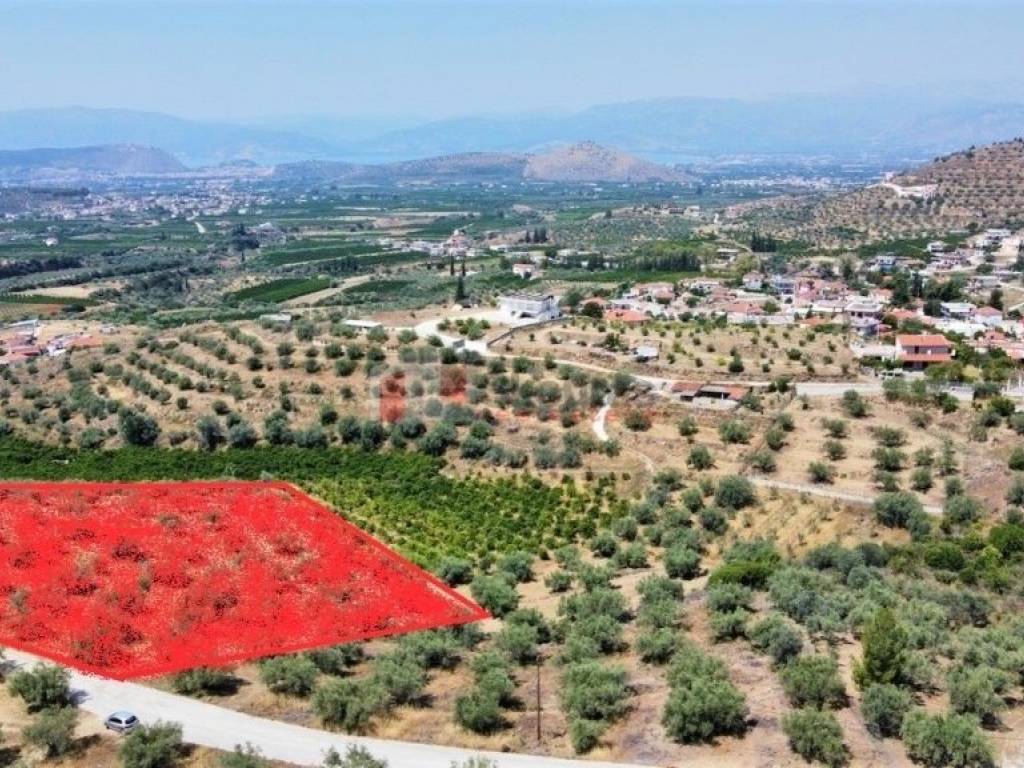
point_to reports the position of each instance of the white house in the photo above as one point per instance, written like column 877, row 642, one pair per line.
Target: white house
column 537, row 306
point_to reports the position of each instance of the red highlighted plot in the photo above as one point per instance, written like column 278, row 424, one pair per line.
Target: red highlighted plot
column 135, row 579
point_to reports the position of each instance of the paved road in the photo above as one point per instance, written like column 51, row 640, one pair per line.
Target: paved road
column 208, row 725
column 862, row 499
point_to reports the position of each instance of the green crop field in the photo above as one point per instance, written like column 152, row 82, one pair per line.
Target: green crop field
column 300, row 255
column 279, row 290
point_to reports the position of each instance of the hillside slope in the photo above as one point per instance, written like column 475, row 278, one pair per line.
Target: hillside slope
column 584, row 162
column 114, row 159
column 980, row 186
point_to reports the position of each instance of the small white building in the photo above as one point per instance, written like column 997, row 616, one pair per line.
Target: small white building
column 536, row 306
column 645, row 353
column 526, row 270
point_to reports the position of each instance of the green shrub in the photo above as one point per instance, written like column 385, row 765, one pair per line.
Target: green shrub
column 945, row 740
column 816, row 736
column 656, row 646
column 53, row 731
column 703, row 703
column 202, row 680
column 495, row 593
column 293, row 675
column 734, row 492
column 777, row 637
column 246, row 756
column 454, row 571
column 593, row 696
column 813, row 681
column 977, row 691
column 153, row 746
column 43, row 687
column 884, row 706
column 884, row 651
column 400, row 676
column 347, row 704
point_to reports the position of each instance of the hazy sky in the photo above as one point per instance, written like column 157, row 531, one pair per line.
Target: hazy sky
column 431, row 58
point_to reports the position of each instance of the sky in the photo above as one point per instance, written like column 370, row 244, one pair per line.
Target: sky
column 429, row 59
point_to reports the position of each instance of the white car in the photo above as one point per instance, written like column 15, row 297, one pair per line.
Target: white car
column 122, row 722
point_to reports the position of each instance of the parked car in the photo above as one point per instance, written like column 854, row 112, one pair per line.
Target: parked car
column 122, row 722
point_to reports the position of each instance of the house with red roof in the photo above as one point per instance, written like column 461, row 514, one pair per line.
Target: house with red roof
column 919, row 350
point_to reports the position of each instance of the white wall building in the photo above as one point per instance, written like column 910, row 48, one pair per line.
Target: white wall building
column 538, row 306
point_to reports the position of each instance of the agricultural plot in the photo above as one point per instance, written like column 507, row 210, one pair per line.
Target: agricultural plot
column 279, row 290
column 135, row 580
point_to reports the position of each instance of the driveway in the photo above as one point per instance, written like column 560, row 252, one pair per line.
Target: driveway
column 208, row 725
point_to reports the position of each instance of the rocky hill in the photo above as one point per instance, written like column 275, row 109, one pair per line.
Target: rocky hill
column 588, row 161
column 113, row 159
column 577, row 163
column 981, row 186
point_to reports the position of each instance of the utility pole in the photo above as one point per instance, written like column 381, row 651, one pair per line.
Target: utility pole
column 538, row 701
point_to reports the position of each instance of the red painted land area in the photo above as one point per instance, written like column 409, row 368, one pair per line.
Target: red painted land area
column 129, row 579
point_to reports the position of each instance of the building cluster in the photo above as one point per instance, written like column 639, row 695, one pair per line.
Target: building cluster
column 27, row 339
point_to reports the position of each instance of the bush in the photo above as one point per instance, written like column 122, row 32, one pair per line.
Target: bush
column 945, row 740
column 292, row 675
column 821, row 472
column 53, row 731
column 763, row 460
column 813, row 681
column 682, row 562
column 637, row 420
column 358, row 757
column 336, row 659
column 656, row 646
column 729, row 626
column 884, row 644
column 495, row 594
column 153, row 746
column 246, row 756
column 400, row 676
column 593, row 696
column 347, row 704
column 43, row 687
column 734, row 431
column 202, row 680
column 977, row 691
column 138, row 428
column 816, row 736
column 854, row 405
column 479, row 711
column 703, row 703
column 723, row 598
column 777, row 637
column 897, row 509
column 884, row 707
column 518, row 566
column 700, row 458
column 962, row 509
column 454, row 571
column 734, row 492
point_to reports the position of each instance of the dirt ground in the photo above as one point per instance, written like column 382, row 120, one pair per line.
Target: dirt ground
column 982, row 466
column 687, row 353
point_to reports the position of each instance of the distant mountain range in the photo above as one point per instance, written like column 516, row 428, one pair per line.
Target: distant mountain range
column 897, row 126
column 113, row 160
column 582, row 162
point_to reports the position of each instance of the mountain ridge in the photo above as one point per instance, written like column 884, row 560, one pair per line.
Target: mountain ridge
column 890, row 124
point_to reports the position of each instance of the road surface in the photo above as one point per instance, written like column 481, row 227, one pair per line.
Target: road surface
column 601, row 417
column 208, row 725
column 824, row 491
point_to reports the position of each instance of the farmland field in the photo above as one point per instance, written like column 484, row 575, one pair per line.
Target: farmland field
column 104, row 580
column 279, row 290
